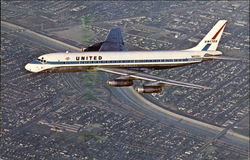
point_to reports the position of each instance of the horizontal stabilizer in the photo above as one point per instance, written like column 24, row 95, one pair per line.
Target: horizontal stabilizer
column 222, row 58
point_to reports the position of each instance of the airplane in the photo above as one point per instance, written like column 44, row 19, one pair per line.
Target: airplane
column 112, row 56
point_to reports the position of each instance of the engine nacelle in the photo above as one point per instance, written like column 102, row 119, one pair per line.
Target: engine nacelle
column 120, row 83
column 149, row 89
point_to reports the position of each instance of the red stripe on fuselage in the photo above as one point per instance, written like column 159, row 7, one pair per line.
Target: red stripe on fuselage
column 214, row 37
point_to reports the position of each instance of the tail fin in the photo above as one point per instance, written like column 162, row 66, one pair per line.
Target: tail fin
column 211, row 40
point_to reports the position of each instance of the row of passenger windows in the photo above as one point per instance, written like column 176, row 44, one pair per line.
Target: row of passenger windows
column 127, row 61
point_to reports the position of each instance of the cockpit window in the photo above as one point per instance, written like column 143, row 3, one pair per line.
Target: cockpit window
column 41, row 60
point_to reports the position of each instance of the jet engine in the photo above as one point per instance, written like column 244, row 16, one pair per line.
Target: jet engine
column 120, row 83
column 149, row 89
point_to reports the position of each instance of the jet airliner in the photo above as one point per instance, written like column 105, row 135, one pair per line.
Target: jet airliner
column 111, row 56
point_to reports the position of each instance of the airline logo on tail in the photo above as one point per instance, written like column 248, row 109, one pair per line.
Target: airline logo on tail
column 214, row 37
column 211, row 40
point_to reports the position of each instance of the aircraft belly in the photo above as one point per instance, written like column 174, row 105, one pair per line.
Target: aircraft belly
column 69, row 69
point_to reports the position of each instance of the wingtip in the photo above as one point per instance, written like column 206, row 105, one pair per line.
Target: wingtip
column 207, row 88
column 116, row 28
column 223, row 20
column 204, row 87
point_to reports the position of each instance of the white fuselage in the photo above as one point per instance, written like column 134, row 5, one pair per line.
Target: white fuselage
column 84, row 61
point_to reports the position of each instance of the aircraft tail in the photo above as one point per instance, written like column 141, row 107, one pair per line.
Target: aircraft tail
column 211, row 40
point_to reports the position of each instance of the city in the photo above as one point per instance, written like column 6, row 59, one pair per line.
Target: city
column 77, row 116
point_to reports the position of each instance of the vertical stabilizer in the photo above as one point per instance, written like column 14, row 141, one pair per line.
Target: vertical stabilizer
column 211, row 40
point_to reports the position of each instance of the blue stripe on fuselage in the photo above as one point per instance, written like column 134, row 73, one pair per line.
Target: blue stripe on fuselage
column 126, row 61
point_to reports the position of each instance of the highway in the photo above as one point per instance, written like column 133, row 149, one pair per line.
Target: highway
column 130, row 97
column 139, row 104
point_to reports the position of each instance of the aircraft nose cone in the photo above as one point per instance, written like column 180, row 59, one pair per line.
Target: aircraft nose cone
column 28, row 67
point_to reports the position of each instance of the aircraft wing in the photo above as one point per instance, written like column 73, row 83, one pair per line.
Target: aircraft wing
column 157, row 81
column 114, row 41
